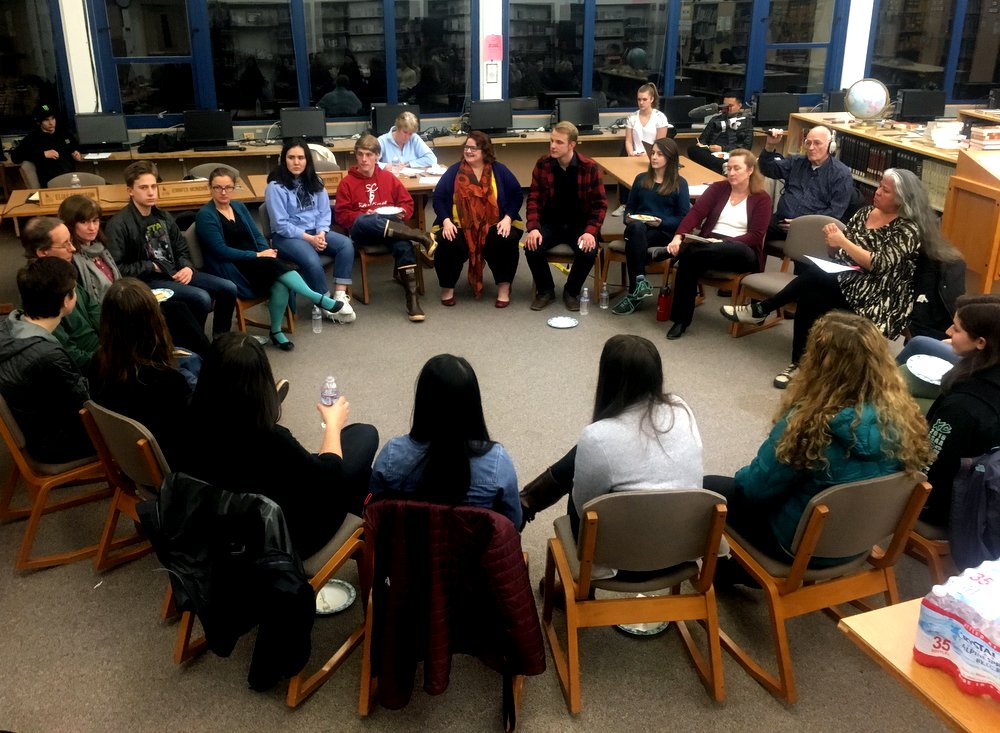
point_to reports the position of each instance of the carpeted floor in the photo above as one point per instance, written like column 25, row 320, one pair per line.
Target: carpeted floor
column 86, row 652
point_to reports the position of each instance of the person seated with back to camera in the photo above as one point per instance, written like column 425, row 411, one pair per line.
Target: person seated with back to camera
column 660, row 196
column 815, row 183
column 299, row 209
column 340, row 101
column 641, row 437
column 847, row 418
column 43, row 388
column 732, row 128
column 238, row 445
column 403, row 146
column 367, row 188
column 235, row 249
column 478, row 205
column 448, row 457
column 645, row 124
column 736, row 212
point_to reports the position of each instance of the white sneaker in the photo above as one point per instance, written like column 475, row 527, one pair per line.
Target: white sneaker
column 619, row 211
column 346, row 314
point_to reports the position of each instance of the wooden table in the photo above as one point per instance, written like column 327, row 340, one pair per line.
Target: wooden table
column 114, row 198
column 887, row 636
column 625, row 169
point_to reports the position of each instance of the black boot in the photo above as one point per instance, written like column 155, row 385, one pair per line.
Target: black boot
column 425, row 243
column 408, row 278
column 540, row 494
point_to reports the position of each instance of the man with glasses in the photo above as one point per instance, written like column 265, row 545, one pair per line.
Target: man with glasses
column 146, row 243
column 815, row 183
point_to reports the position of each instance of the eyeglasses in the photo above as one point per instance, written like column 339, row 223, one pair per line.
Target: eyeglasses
column 470, row 148
column 223, row 189
column 815, row 143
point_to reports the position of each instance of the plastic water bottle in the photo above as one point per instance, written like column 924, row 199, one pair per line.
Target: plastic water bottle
column 604, row 297
column 584, row 302
column 328, row 394
column 74, row 181
column 317, row 319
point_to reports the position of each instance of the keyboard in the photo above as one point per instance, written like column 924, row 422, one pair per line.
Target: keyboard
column 590, row 133
column 211, row 148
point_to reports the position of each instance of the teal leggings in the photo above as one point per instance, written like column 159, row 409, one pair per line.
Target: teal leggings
column 281, row 291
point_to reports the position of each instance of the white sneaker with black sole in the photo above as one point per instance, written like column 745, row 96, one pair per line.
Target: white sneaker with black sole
column 346, row 313
column 781, row 381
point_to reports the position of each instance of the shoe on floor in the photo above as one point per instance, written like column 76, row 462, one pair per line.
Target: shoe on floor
column 571, row 302
column 642, row 289
column 543, row 300
column 781, row 381
column 626, row 306
column 676, row 331
column 619, row 211
column 743, row 314
column 346, row 313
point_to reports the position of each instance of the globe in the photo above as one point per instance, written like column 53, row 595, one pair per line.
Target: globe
column 867, row 99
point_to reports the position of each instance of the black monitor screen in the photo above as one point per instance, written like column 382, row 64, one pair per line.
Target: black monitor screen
column 307, row 122
column 774, row 108
column 101, row 130
column 384, row 116
column 834, row 101
column 581, row 112
column 207, row 126
column 919, row 105
column 676, row 109
column 547, row 100
column 490, row 116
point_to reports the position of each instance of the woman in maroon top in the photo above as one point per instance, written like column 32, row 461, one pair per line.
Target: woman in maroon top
column 735, row 212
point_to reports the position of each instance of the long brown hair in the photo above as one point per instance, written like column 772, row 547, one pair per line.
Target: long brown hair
column 670, row 175
column 76, row 209
column 847, row 365
column 133, row 332
column 980, row 317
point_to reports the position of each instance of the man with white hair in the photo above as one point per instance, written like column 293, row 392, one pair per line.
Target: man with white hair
column 815, row 183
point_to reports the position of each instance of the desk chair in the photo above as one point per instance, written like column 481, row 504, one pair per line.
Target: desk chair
column 614, row 251
column 243, row 305
column 671, row 535
column 929, row 545
column 563, row 254
column 86, row 179
column 264, row 220
column 845, row 521
column 29, row 173
column 203, row 170
column 39, row 480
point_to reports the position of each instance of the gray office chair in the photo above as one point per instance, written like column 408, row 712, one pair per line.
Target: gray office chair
column 86, row 179
column 202, row 170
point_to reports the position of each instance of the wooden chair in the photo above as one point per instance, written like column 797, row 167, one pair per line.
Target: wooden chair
column 614, row 251
column 134, row 466
column 243, row 305
column 39, row 480
column 929, row 545
column 664, row 533
column 805, row 238
column 373, row 253
column 563, row 254
column 844, row 521
column 65, row 180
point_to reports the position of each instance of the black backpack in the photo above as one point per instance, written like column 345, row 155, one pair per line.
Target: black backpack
column 974, row 527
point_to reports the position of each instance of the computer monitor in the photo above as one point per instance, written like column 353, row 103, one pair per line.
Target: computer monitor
column 582, row 112
column 208, row 129
column 101, row 132
column 773, row 108
column 306, row 122
column 547, row 100
column 490, row 116
column 833, row 101
column 384, row 116
column 919, row 105
column 676, row 109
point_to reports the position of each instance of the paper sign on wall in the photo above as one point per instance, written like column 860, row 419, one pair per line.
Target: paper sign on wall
column 493, row 48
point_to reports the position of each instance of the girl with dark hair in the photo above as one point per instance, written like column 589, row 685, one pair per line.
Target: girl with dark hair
column 657, row 202
column 235, row 249
column 137, row 368
column 641, row 437
column 236, row 409
column 965, row 420
column 298, row 207
column 448, row 457
column 478, row 205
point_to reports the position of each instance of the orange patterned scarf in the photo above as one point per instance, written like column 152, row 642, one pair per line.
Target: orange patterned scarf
column 477, row 211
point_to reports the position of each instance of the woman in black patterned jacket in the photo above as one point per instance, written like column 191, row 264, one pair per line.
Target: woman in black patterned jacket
column 880, row 245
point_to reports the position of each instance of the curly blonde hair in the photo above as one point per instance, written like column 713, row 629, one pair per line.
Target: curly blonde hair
column 847, row 364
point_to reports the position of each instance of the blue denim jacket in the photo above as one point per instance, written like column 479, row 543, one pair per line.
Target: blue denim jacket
column 494, row 481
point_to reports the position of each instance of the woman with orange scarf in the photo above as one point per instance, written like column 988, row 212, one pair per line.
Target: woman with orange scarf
column 478, row 204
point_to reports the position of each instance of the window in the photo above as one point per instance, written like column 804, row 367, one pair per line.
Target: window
column 546, row 52
column 432, row 54
column 911, row 43
column 978, row 68
column 628, row 50
column 714, row 41
column 28, row 70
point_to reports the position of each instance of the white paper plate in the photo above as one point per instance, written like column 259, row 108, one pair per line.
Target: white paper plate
column 928, row 368
column 721, row 154
column 162, row 294
column 334, row 597
column 642, row 217
column 563, row 322
column 651, row 629
column 389, row 210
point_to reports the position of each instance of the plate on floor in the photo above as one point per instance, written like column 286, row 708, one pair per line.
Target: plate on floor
column 651, row 629
column 563, row 322
column 334, row 597
column 928, row 368
column 389, row 210
column 162, row 294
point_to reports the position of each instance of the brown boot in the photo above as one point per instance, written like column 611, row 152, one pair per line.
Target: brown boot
column 423, row 243
column 408, row 278
column 540, row 494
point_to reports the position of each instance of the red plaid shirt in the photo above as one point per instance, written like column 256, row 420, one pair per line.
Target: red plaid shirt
column 590, row 186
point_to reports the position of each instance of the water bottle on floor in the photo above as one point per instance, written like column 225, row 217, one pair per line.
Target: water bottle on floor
column 584, row 302
column 605, row 297
column 328, row 393
column 317, row 319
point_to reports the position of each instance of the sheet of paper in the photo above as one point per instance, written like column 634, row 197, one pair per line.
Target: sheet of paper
column 697, row 190
column 96, row 156
column 830, row 266
column 428, row 180
column 410, row 172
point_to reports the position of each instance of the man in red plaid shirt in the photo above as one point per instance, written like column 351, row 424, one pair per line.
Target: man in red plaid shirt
column 566, row 205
